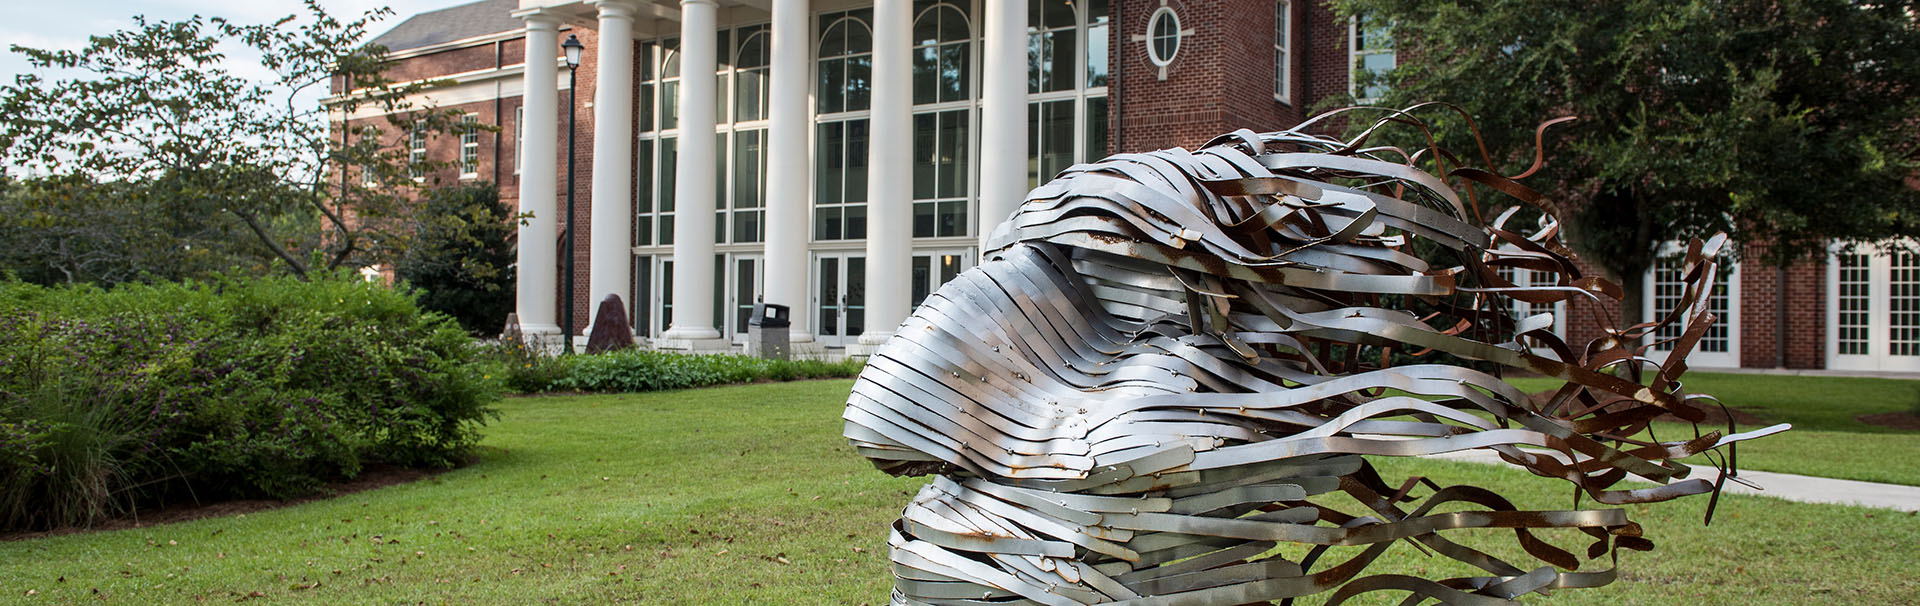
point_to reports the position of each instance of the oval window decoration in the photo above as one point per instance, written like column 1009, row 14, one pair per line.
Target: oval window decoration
column 1163, row 36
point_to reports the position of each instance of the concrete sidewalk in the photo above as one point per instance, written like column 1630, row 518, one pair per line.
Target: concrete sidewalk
column 1805, row 489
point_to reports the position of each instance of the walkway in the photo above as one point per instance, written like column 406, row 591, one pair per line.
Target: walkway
column 1805, row 489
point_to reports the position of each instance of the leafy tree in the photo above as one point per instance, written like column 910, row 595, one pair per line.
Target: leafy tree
column 159, row 107
column 461, row 256
column 64, row 230
column 1789, row 123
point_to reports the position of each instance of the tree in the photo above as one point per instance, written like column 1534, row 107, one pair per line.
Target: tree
column 159, row 107
column 69, row 230
column 461, row 257
column 1788, row 123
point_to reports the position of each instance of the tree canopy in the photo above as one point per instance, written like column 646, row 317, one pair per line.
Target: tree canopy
column 1789, row 123
column 162, row 110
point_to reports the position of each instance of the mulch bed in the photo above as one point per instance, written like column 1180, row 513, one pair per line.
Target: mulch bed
column 1904, row 420
column 370, row 478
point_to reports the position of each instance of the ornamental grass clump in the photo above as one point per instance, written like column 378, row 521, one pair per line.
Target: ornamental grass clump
column 151, row 394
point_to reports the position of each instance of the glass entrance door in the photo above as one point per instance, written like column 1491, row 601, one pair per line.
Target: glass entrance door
column 934, row 268
column 743, row 290
column 840, row 298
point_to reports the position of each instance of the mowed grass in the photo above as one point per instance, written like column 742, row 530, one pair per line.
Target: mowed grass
column 748, row 495
column 1827, row 439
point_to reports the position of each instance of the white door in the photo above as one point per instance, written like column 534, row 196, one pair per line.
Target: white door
column 839, row 298
column 1720, row 347
column 744, row 281
column 1873, row 311
column 934, row 268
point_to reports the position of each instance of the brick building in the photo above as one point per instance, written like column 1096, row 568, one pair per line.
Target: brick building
column 854, row 164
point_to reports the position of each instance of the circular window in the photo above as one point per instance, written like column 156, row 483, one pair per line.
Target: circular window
column 1163, row 36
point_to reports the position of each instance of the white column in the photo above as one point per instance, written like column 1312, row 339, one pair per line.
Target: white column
column 611, row 252
column 789, row 165
column 694, row 176
column 890, row 172
column 537, row 280
column 1003, row 114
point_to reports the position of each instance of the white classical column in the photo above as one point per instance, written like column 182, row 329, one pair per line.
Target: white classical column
column 694, row 177
column 789, row 165
column 1003, row 114
column 537, row 280
column 890, row 173
column 611, row 254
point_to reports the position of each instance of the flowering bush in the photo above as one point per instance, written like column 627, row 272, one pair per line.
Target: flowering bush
column 111, row 399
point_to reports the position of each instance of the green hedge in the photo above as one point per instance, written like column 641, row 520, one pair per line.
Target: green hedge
column 638, row 370
column 112, row 399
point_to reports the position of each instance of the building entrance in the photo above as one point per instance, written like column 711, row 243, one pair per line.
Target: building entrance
column 840, row 298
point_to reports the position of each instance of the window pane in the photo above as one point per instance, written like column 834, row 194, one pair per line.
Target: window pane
column 952, row 218
column 922, row 275
column 1057, row 142
column 955, row 66
column 749, row 163
column 856, row 150
column 751, row 102
column 859, row 82
column 856, row 221
column 923, row 222
column 646, row 106
column 926, row 75
column 829, row 163
column 1060, row 61
column 856, row 295
column 1096, row 128
column 826, row 223
column 1097, row 55
column 669, row 157
column 925, row 139
column 670, row 104
column 832, row 93
column 720, row 170
column 829, row 296
column 952, row 172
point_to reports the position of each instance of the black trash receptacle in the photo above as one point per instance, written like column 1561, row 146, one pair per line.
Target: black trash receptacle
column 768, row 315
column 767, row 332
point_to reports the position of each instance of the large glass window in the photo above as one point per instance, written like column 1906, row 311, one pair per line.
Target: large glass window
column 417, row 150
column 1371, row 46
column 749, row 191
column 840, row 180
column 940, row 174
column 942, row 54
column 470, row 146
column 1067, row 105
column 751, row 64
column 1283, row 51
column 846, row 62
column 843, row 96
column 1053, row 48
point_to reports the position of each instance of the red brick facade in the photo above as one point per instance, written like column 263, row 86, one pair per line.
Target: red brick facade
column 1221, row 79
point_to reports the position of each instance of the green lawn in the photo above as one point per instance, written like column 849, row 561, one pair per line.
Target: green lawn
column 748, row 495
column 1826, row 439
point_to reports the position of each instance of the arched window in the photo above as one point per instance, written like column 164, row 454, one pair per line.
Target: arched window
column 942, row 61
column 846, row 62
column 844, row 87
column 751, row 62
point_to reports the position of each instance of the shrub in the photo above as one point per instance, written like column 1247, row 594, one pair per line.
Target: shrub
column 637, row 370
column 523, row 370
column 460, row 258
column 111, row 399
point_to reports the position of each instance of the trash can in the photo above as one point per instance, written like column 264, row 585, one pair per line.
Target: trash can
column 767, row 332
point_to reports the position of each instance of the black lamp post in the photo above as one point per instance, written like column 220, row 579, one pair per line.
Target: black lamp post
column 572, row 46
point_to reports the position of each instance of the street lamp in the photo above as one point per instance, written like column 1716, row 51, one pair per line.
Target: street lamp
column 572, row 47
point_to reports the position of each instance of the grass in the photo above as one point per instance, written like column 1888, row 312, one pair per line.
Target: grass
column 748, row 495
column 1826, row 439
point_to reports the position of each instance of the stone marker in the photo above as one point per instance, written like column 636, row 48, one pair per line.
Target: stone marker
column 611, row 331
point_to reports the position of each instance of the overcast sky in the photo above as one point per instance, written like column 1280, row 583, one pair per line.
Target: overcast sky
column 66, row 24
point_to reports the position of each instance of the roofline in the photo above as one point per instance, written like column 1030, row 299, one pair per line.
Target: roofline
column 454, row 44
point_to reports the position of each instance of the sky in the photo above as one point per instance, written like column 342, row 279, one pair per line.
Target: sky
column 66, row 24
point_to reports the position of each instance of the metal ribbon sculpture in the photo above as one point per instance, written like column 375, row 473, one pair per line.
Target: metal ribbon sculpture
column 1172, row 363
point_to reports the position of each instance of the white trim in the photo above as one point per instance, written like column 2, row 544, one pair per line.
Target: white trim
column 1879, row 355
column 1698, row 358
column 458, row 44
